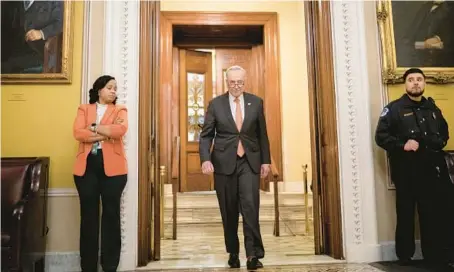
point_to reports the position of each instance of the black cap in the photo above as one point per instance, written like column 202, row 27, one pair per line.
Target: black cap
column 413, row 71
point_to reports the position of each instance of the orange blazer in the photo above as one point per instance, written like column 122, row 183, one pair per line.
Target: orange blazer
column 112, row 150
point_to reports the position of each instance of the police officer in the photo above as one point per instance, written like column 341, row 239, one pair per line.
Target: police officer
column 413, row 132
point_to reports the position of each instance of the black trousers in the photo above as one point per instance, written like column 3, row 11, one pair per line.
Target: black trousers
column 91, row 187
column 237, row 193
column 446, row 213
column 418, row 189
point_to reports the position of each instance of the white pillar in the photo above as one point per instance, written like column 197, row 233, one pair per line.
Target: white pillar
column 122, row 62
column 359, row 212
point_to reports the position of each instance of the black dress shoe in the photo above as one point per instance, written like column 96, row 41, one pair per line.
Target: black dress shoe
column 252, row 263
column 234, row 261
column 259, row 264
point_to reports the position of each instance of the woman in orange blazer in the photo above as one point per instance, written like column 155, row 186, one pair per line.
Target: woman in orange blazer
column 100, row 171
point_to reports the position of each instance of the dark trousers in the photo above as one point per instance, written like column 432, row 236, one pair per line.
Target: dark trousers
column 446, row 213
column 447, row 225
column 418, row 190
column 93, row 185
column 237, row 193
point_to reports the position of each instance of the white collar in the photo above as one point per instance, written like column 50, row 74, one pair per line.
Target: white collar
column 28, row 5
column 101, row 105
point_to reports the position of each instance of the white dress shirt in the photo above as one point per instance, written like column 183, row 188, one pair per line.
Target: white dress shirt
column 233, row 105
column 100, row 110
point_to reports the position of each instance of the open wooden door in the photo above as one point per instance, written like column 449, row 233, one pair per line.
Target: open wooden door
column 196, row 90
column 149, row 176
column 325, row 177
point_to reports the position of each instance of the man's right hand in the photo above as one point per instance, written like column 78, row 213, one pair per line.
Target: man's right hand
column 411, row 145
column 33, row 35
column 207, row 167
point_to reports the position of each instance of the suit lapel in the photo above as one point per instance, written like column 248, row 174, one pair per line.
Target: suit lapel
column 91, row 115
column 228, row 110
column 110, row 109
column 247, row 110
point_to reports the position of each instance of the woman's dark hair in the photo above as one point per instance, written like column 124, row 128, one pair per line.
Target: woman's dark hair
column 100, row 83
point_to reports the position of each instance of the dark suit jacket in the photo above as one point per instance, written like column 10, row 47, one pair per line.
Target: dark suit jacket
column 46, row 16
column 220, row 126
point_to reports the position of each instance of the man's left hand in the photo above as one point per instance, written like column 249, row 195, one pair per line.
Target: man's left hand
column 33, row 35
column 265, row 170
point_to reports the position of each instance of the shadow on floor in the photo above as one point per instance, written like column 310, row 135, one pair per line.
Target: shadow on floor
column 416, row 266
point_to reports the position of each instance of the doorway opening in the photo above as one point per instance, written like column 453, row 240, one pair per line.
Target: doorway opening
column 194, row 51
column 201, row 55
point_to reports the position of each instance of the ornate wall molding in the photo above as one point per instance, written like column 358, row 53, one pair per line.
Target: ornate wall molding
column 121, row 61
column 355, row 139
column 86, row 53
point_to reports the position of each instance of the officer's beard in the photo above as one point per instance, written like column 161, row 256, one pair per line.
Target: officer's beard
column 415, row 92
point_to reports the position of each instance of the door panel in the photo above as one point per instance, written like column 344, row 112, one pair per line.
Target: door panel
column 148, row 168
column 257, row 71
column 228, row 57
column 196, row 90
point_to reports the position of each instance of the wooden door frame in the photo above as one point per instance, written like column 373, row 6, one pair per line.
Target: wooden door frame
column 320, row 64
column 272, row 75
column 148, row 169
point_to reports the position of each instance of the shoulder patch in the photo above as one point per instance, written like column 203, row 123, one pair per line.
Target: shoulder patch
column 384, row 112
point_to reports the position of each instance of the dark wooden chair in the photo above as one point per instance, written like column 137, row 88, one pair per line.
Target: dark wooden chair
column 24, row 184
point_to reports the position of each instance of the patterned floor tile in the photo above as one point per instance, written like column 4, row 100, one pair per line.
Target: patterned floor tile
column 292, row 268
column 200, row 245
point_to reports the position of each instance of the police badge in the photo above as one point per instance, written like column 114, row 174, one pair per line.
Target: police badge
column 384, row 112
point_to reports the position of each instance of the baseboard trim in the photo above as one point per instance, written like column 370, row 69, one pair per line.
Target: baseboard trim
column 62, row 261
column 70, row 262
column 388, row 250
column 363, row 253
column 62, row 192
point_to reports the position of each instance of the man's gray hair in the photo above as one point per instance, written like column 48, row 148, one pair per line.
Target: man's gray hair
column 234, row 68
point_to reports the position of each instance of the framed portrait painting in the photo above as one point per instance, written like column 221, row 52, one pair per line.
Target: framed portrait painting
column 36, row 41
column 417, row 34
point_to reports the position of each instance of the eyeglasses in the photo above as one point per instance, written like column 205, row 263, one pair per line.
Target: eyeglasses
column 237, row 83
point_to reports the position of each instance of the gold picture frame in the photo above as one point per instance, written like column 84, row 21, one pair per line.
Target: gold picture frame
column 57, row 52
column 392, row 66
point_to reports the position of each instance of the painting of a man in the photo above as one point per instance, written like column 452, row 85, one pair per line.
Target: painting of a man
column 31, row 36
column 423, row 33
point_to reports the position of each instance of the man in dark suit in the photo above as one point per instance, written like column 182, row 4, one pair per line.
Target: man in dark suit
column 240, row 156
column 33, row 23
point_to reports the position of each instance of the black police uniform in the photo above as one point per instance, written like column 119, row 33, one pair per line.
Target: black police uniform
column 416, row 175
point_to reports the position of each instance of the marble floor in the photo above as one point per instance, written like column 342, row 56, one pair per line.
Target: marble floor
column 291, row 268
column 209, row 252
column 200, row 244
